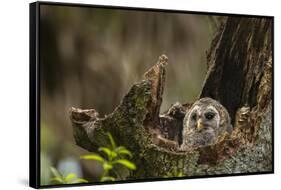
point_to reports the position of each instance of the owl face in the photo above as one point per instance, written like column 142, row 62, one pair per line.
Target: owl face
column 204, row 123
column 204, row 118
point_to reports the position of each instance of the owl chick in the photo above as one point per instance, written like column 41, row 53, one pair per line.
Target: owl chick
column 206, row 123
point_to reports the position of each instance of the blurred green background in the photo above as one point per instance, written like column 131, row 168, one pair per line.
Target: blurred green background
column 89, row 58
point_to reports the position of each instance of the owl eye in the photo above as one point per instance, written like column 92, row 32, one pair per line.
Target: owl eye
column 209, row 115
column 194, row 116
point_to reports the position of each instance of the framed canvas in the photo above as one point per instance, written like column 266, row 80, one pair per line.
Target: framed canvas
column 120, row 94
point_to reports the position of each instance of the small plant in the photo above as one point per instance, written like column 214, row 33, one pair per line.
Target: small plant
column 69, row 179
column 174, row 173
column 113, row 155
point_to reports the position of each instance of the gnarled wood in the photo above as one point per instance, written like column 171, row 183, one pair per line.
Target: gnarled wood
column 239, row 75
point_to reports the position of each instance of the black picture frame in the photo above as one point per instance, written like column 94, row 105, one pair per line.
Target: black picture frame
column 34, row 98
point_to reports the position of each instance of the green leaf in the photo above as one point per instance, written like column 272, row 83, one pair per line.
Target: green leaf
column 113, row 154
column 56, row 173
column 108, row 152
column 126, row 163
column 81, row 180
column 107, row 178
column 106, row 166
column 70, row 177
column 180, row 174
column 112, row 142
column 93, row 157
column 122, row 150
column 119, row 148
column 125, row 152
column 57, row 179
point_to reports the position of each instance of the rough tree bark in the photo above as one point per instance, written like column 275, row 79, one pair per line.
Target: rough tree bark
column 239, row 76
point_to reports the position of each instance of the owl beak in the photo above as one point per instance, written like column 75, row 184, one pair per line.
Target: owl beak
column 200, row 125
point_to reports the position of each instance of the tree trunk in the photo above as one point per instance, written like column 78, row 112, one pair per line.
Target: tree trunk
column 239, row 76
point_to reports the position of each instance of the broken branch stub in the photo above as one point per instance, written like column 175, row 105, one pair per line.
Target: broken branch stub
column 157, row 76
